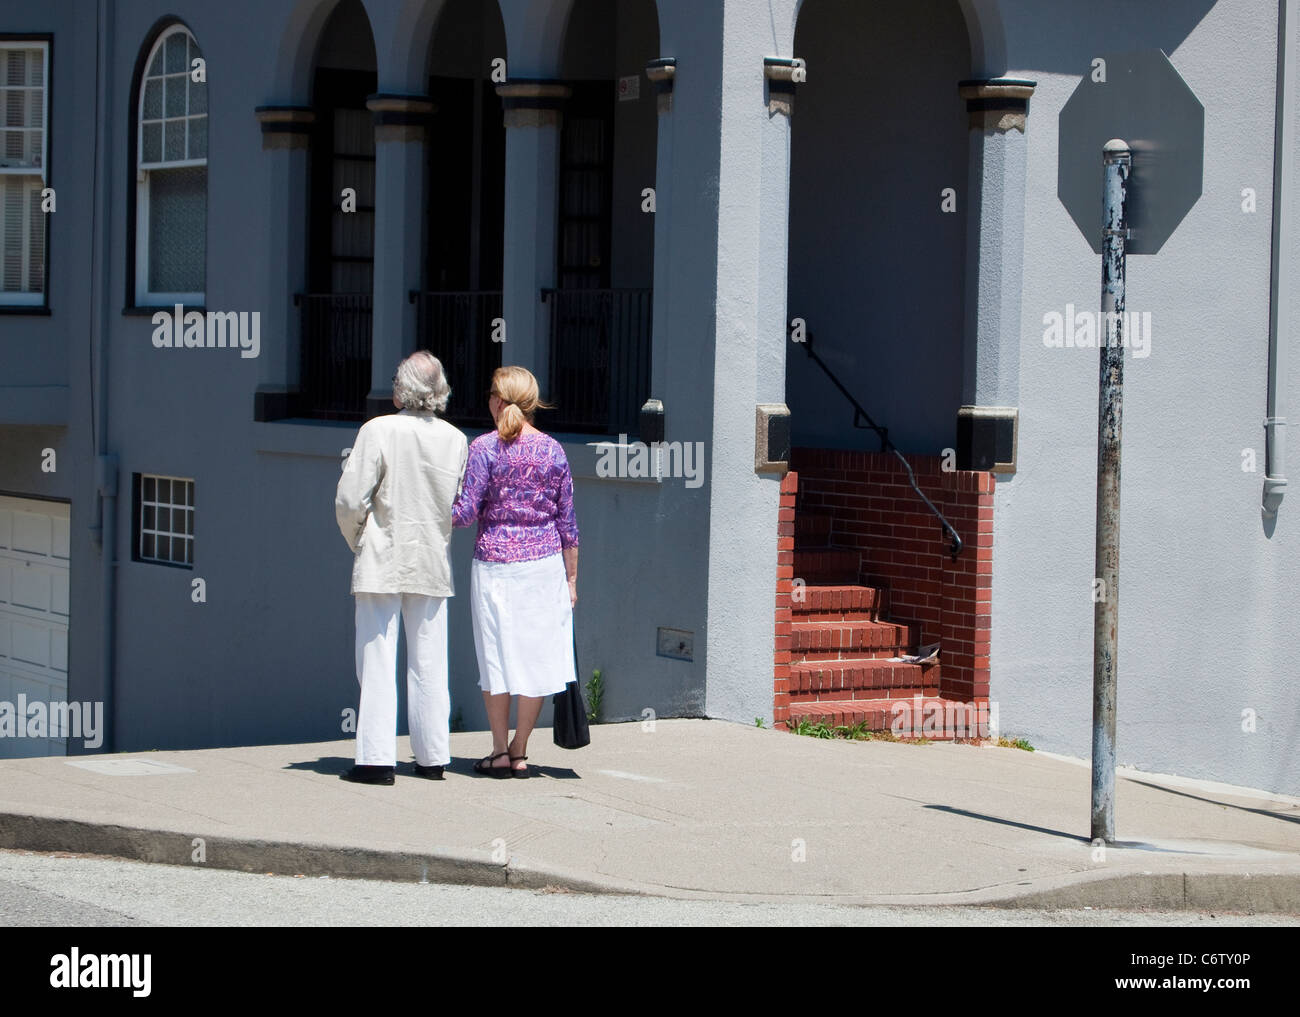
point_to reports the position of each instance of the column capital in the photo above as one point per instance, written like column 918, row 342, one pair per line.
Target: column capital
column 400, row 117
column 532, row 103
column 988, row 438
column 998, row 104
column 782, row 74
column 285, row 126
column 662, row 71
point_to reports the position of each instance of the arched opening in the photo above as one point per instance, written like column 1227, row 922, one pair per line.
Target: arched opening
column 877, row 256
column 600, row 308
column 336, row 310
column 880, row 142
column 465, row 200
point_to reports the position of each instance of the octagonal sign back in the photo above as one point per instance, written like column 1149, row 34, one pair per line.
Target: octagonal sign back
column 1144, row 101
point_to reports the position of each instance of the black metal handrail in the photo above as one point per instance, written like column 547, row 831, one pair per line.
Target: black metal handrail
column 859, row 415
column 599, row 358
column 460, row 328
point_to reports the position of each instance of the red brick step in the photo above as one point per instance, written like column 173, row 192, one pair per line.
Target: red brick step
column 845, row 602
column 908, row 717
column 860, row 678
column 827, row 640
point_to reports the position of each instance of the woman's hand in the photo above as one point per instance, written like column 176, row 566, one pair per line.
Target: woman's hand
column 571, row 573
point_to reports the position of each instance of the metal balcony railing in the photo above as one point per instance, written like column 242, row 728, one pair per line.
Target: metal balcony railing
column 599, row 359
column 335, row 375
column 457, row 327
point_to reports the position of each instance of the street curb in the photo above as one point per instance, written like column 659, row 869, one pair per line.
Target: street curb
column 1240, row 892
column 1262, row 892
column 26, row 832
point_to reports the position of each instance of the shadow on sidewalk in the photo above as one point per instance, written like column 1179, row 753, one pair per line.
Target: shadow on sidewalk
column 1009, row 822
column 1215, row 801
column 335, row 765
column 325, row 764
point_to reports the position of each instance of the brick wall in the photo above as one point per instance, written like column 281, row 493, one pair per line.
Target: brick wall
column 904, row 550
column 784, row 612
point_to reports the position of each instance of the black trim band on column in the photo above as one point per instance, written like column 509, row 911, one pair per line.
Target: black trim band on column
column 987, row 438
column 651, row 422
column 532, row 102
column 999, row 103
column 662, row 72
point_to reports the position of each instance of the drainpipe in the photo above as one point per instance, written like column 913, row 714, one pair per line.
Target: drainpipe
column 1279, row 309
column 105, row 462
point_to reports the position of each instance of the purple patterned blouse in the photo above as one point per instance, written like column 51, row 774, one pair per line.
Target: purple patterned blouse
column 521, row 495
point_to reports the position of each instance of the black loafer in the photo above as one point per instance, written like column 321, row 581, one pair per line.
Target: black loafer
column 369, row 775
column 430, row 772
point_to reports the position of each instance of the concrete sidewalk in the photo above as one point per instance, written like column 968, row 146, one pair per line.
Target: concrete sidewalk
column 693, row 808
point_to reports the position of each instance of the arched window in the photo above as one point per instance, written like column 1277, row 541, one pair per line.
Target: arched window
column 172, row 173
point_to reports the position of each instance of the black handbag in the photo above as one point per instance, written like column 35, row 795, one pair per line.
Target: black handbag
column 570, row 729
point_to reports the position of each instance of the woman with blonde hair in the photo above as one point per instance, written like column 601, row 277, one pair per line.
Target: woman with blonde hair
column 524, row 579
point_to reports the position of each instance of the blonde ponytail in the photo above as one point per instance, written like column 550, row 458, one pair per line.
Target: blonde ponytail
column 510, row 423
column 517, row 388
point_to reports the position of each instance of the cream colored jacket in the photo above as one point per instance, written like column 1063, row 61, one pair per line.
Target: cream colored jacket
column 394, row 502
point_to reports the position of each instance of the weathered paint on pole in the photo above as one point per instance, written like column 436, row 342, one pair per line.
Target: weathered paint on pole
column 1117, row 161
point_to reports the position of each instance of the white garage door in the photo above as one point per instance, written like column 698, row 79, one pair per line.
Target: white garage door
column 33, row 615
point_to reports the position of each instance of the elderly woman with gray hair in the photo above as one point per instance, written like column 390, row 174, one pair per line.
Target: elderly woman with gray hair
column 394, row 508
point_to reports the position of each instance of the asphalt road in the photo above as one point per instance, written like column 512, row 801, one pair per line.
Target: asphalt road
column 60, row 890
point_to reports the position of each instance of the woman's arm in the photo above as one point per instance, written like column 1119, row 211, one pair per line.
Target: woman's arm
column 477, row 472
column 566, row 523
column 571, row 570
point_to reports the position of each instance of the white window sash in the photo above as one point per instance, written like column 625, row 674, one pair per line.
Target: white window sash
column 144, row 297
column 44, row 48
column 140, row 120
column 24, row 298
column 178, row 164
column 23, row 228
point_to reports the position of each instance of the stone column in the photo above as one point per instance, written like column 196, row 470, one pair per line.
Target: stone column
column 782, row 74
column 286, row 134
column 400, row 172
column 995, row 226
column 532, row 114
column 750, row 425
column 661, row 73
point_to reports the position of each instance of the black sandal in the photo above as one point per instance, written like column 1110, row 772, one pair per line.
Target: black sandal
column 518, row 773
column 485, row 768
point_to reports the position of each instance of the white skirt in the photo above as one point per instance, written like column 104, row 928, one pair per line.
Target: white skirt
column 523, row 626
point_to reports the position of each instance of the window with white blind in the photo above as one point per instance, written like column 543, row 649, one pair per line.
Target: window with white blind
column 171, row 174
column 24, row 99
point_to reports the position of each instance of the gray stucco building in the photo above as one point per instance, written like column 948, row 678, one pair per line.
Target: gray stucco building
column 643, row 200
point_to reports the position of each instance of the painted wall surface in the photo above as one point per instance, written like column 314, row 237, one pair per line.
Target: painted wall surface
column 269, row 655
column 877, row 268
column 1208, row 592
column 45, row 360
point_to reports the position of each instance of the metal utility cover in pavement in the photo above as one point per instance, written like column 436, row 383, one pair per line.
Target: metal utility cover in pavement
column 1145, row 102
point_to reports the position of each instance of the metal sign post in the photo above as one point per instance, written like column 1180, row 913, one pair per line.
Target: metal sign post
column 1152, row 179
column 1117, row 161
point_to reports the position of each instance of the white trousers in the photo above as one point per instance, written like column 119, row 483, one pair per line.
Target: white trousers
column 428, row 703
